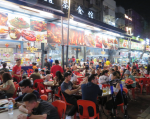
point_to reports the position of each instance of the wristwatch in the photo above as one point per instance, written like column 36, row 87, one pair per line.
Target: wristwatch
column 28, row 115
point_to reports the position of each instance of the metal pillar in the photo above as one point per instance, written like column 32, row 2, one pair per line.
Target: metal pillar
column 68, row 35
column 84, row 54
column 42, row 55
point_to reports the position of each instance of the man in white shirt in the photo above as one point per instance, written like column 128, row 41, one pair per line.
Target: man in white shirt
column 73, row 78
column 104, row 78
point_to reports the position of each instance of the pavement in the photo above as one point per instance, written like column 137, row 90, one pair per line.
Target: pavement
column 137, row 109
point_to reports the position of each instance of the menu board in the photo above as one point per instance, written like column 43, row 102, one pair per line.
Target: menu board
column 123, row 43
column 136, row 46
column 22, row 28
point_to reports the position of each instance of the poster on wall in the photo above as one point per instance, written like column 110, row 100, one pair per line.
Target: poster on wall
column 20, row 27
column 123, row 43
column 89, row 39
column 98, row 40
column 53, row 33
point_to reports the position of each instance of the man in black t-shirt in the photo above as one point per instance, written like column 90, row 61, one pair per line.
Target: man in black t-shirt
column 25, row 86
column 38, row 109
column 47, row 64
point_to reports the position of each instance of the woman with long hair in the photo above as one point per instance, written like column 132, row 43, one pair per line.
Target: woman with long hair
column 58, row 78
column 7, row 88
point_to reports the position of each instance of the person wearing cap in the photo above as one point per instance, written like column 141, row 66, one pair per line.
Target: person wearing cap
column 56, row 68
column 90, row 91
column 47, row 64
column 66, row 89
column 128, row 75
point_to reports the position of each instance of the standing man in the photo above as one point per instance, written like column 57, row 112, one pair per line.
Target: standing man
column 56, row 68
column 50, row 61
column 102, row 63
column 47, row 64
column 104, row 59
column 108, row 62
column 16, row 72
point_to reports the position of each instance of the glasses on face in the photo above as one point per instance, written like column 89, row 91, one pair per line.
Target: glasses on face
column 22, row 88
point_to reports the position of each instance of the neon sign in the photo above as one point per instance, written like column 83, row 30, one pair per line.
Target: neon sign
column 90, row 14
column 80, row 11
column 65, row 4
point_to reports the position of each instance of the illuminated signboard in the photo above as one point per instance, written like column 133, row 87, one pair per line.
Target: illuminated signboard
column 127, row 17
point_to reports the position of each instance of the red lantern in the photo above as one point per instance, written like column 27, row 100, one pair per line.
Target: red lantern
column 19, row 46
column 7, row 45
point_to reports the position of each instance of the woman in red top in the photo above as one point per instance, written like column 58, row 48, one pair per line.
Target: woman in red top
column 16, row 72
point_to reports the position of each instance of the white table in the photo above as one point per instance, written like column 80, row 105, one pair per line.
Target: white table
column 5, row 115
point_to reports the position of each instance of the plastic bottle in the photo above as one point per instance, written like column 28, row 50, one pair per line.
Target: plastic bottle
column 10, row 107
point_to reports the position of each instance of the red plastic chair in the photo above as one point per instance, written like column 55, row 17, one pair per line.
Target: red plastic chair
column 85, row 104
column 61, row 108
column 42, row 90
column 16, row 89
column 67, row 103
column 58, row 95
column 37, row 81
column 44, row 97
column 122, row 104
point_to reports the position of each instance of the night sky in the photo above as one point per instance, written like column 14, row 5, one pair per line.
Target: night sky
column 140, row 6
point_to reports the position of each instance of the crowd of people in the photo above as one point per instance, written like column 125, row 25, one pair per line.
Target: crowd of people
column 95, row 76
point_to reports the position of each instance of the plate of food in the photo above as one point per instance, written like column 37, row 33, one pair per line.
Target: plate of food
column 115, row 41
column 110, row 40
column 28, row 35
column 3, row 31
column 38, row 25
column 3, row 19
column 19, row 23
column 14, row 33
